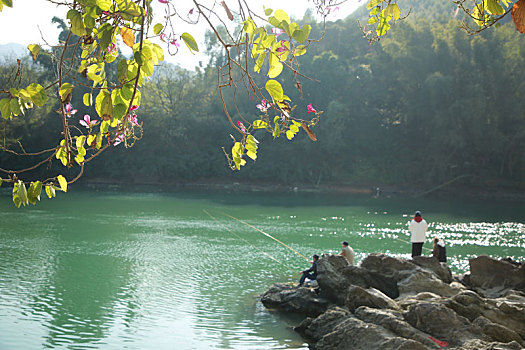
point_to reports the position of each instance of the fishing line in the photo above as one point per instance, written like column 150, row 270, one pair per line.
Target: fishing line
column 236, row 235
column 266, row 234
column 402, row 240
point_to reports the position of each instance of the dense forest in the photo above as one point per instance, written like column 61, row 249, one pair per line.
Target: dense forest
column 425, row 105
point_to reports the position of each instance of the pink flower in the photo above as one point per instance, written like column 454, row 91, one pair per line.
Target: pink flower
column 133, row 119
column 112, row 48
column 175, row 42
column 87, row 122
column 163, row 1
column 163, row 37
column 332, row 9
column 118, row 140
column 282, row 48
column 264, row 106
column 311, row 109
column 69, row 110
column 134, row 108
column 191, row 12
column 277, row 31
column 241, row 126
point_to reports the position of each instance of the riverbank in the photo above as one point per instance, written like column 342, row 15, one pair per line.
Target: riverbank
column 393, row 303
column 499, row 192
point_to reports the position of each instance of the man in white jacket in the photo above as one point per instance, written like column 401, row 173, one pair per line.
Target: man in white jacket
column 418, row 228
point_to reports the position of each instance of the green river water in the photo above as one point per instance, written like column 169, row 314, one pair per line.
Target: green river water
column 151, row 271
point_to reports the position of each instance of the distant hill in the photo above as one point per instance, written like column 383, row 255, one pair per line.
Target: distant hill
column 12, row 51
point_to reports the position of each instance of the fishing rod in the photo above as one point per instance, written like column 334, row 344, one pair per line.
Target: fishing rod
column 266, row 234
column 236, row 235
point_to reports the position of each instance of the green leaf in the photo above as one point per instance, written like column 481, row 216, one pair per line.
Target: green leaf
column 275, row 89
column 290, row 134
column 105, row 35
column 281, row 16
column 80, row 141
column 5, row 108
column 158, row 28
column 105, row 5
column 251, row 154
column 65, row 90
column 299, row 50
column 38, row 94
column 22, row 193
column 87, row 99
column 1, row 181
column 303, row 34
column 373, row 20
column 259, row 63
column 493, row 7
column 383, row 26
column 50, row 191
column 8, row 3
column 259, row 124
column 373, row 3
column 75, row 20
column 268, row 12
column 104, row 105
column 375, row 11
column 34, row 49
column 393, row 11
column 275, row 69
column 190, row 42
column 34, row 191
column 63, row 183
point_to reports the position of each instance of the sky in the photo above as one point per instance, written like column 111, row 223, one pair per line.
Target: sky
column 28, row 26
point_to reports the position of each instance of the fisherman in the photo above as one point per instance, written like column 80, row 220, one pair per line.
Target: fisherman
column 348, row 253
column 418, row 228
column 310, row 273
column 439, row 252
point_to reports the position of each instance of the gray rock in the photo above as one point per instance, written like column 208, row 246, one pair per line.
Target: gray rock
column 393, row 321
column 325, row 323
column 497, row 332
column 300, row 300
column 423, row 281
column 441, row 270
column 354, row 334
column 477, row 344
column 335, row 276
column 508, row 312
column 495, row 277
column 357, row 296
column 441, row 322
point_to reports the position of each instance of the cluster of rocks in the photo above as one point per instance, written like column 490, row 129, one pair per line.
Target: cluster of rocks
column 393, row 303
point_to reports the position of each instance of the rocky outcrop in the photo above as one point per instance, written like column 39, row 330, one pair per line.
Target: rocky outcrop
column 393, row 303
column 495, row 277
column 300, row 300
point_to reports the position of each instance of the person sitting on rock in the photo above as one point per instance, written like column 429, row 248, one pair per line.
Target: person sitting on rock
column 310, row 273
column 439, row 252
column 348, row 253
column 418, row 227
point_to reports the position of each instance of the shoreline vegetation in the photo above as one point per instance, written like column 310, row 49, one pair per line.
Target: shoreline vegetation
column 371, row 189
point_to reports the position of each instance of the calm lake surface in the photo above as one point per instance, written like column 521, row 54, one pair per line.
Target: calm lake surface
column 150, row 271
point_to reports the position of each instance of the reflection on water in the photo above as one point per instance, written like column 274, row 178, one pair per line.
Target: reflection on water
column 154, row 272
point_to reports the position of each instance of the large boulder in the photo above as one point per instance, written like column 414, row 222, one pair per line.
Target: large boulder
column 440, row 270
column 300, row 300
column 508, row 312
column 477, row 344
column 441, row 322
column 338, row 329
column 335, row 276
column 393, row 321
column 371, row 297
column 495, row 277
column 497, row 332
column 423, row 281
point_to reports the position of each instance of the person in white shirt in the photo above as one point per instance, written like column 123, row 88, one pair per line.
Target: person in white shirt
column 418, row 228
column 348, row 253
